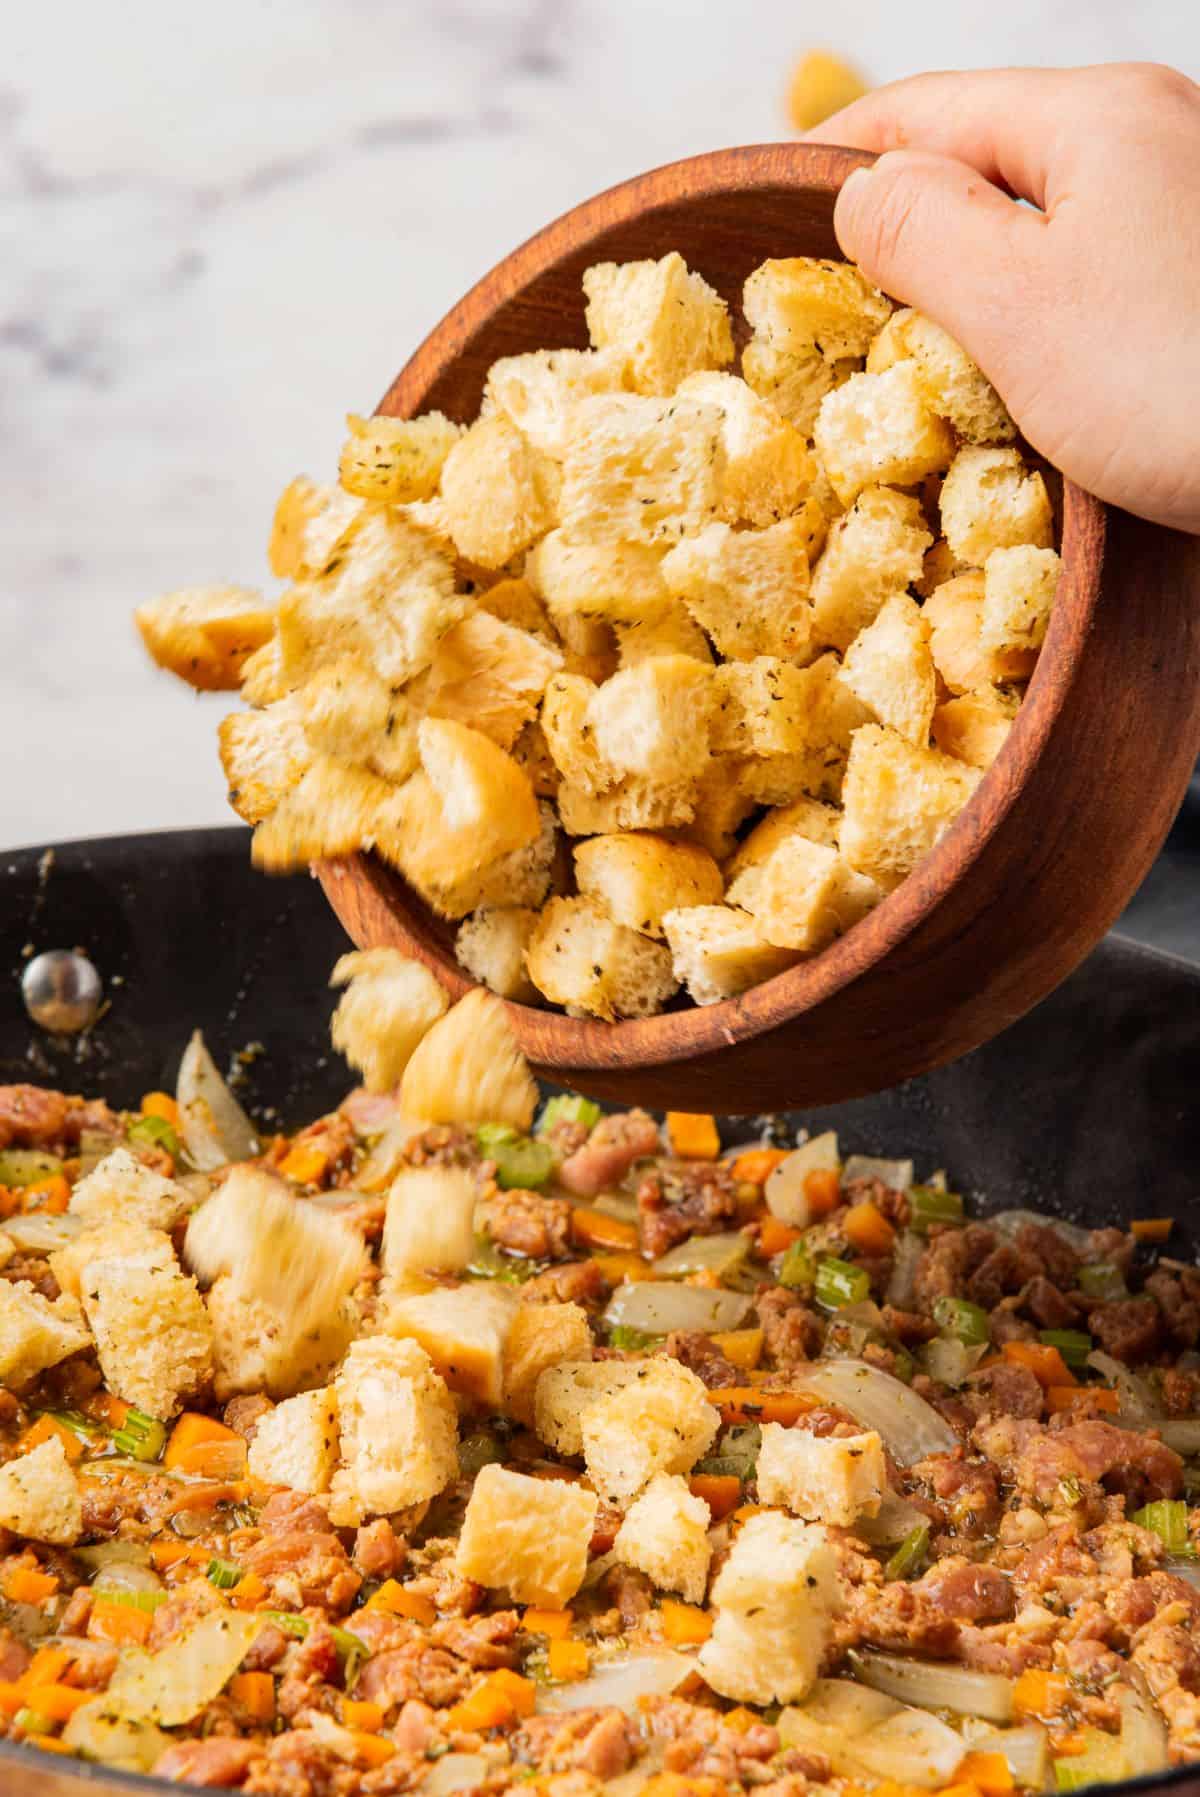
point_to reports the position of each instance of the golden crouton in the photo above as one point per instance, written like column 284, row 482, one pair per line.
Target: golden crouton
column 114, row 1239
column 794, row 381
column 953, row 386
column 566, row 1391
column 803, row 894
column 776, row 1598
column 661, row 1422
column 589, row 645
column 328, row 519
column 799, row 302
column 722, row 803
column 938, row 564
column 258, row 1347
column 491, row 946
column 974, row 726
column 889, row 668
column 389, row 1003
column 333, row 810
column 954, row 614
column 768, row 465
column 429, row 1226
column 747, row 588
column 120, row 1189
column 637, row 876
column 463, row 1330
column 803, row 817
column 673, row 632
column 718, row 952
column 153, row 1336
column 295, row 508
column 536, row 390
column 653, row 720
column 296, row 1444
column 528, row 1537
column 621, row 582
column 878, row 428
column 417, row 846
column 579, row 956
column 1019, row 585
column 469, row 1068
column 832, row 714
column 639, row 470
column 823, row 1478
column 632, row 804
column 395, row 460
column 873, row 551
column 496, row 492
column 487, row 674
column 399, row 1431
column 35, row 1333
column 664, row 321
column 531, row 752
column 39, row 1495
column 569, row 735
column 665, row 1535
column 263, row 680
column 356, row 717
column 821, row 84
column 541, row 1336
column 264, row 754
column 205, row 634
column 515, row 602
column 991, row 500
column 898, row 799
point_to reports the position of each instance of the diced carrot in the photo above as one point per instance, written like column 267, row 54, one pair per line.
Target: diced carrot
column 48, row 1744
column 1045, row 1363
column 775, row 1237
column 823, row 1190
column 989, row 1771
column 741, row 1347
column 51, row 1195
column 722, row 1492
column 1066, row 1397
column 191, row 1431
column 48, row 1666
column 29, row 1585
column 220, row 1460
column 398, row 1601
column 1067, row 1743
column 496, row 1701
column 12, row 1696
column 1038, row 1693
column 361, row 1714
column 618, row 1268
column 58, row 1702
column 207, row 1494
column 105, row 1407
column 1151, row 1229
column 119, row 1623
column 255, row 1692
column 596, row 1229
column 556, row 1624
column 962, row 1787
column 168, row 1553
column 305, row 1163
column 682, row 1784
column 745, row 1511
column 684, row 1624
column 369, row 1749
column 161, row 1104
column 567, row 1659
column 693, row 1135
column 10, row 1201
column 867, row 1227
column 755, row 1165
column 747, row 1404
column 740, row 1720
column 45, row 1429
column 249, row 1592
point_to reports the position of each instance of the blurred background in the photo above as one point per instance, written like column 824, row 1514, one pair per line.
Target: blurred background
column 222, row 227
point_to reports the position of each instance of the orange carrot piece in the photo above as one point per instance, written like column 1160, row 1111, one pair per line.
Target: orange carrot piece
column 868, row 1228
column 555, row 1624
column 722, row 1492
column 1045, row 1363
column 105, row 1407
column 45, row 1429
column 495, row 1701
column 776, row 1237
column 618, row 1268
column 305, row 1162
column 693, row 1135
column 371, row 1750
column 249, row 1592
column 567, row 1660
column 990, row 1772
column 360, row 1714
column 742, row 1347
column 161, row 1104
column 255, row 1692
column 1038, row 1693
column 50, row 1195
column 596, row 1229
column 119, row 1623
column 29, row 1585
column 398, row 1601
column 1151, row 1229
column 823, row 1190
column 747, row 1404
column 740, row 1720
column 47, row 1744
column 58, row 1702
column 12, row 1696
column 755, row 1166
column 684, row 1624
column 191, row 1431
column 681, row 1784
column 1066, row 1397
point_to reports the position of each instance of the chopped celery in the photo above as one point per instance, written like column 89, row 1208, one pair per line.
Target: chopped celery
column 798, row 1266
column 26, row 1166
column 224, row 1574
column 1073, row 1344
column 568, row 1108
column 132, row 1600
column 478, row 1450
column 353, row 1652
column 962, row 1320
column 737, row 1454
column 839, row 1283
column 140, row 1436
column 154, row 1132
column 1168, row 1519
column 287, row 1624
column 928, row 1205
column 78, row 1425
column 909, row 1557
column 1101, row 1762
column 1102, row 1280
column 489, row 1262
column 520, row 1161
column 622, row 1336
column 905, row 1366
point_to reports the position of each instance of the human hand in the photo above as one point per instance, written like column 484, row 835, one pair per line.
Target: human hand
column 1085, row 314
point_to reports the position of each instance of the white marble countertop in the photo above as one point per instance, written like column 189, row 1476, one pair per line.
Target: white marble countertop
column 221, row 227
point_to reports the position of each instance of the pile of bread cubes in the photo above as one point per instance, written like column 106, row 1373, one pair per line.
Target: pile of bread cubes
column 657, row 674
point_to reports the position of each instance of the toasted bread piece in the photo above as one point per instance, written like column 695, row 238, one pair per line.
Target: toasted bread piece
column 296, row 1444
column 487, row 674
column 589, row 646
column 206, row 634
column 263, row 679
column 953, row 386
column 536, row 390
column 938, row 565
column 673, row 632
column 878, row 428
column 497, row 492
column 491, row 945
column 659, row 1423
column 35, row 1333
column 871, row 552
column 898, row 799
column 718, row 952
column 974, row 726
column 653, row 720
column 389, row 1003
column 569, row 736
column 121, row 1189
column 429, row 1226
column 264, row 754
column 40, row 1497
column 665, row 1535
column 332, row 810
column 803, row 817
column 641, row 470
column 637, row 876
column 463, row 1330
column 565, row 1392
column 399, row 1431
column 747, row 588
column 762, row 707
column 115, row 1239
column 469, row 1069
column 722, row 803
column 633, row 803
column 776, row 1598
column 794, row 381
column 889, row 668
column 769, row 467
column 396, row 460
column 528, row 1537
column 579, row 956
column 439, row 862
column 803, row 894
column 619, row 582
column 295, row 508
column 954, row 614
column 1019, row 586
column 991, row 500
column 663, row 321
column 514, row 602
column 531, row 752
column 800, row 303
column 356, row 717
column 154, row 1341
column 830, row 1479
column 541, row 1336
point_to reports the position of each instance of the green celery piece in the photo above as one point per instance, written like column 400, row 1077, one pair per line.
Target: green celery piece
column 154, row 1132
column 568, row 1108
column 32, row 1722
column 224, row 1574
column 909, row 1557
column 141, row 1437
column 737, row 1455
column 520, row 1161
column 928, row 1205
column 839, row 1283
column 25, row 1166
column 478, row 1450
column 489, row 1262
column 1168, row 1519
column 132, row 1600
column 1073, row 1344
column 622, row 1336
column 798, row 1266
column 1102, row 1279
column 966, row 1322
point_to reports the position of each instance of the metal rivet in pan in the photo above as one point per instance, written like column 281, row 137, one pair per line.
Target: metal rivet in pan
column 62, row 991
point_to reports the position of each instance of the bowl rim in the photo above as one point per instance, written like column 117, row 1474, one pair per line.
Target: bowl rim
column 693, row 1031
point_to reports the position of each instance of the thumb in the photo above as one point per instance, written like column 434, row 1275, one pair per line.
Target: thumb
column 935, row 234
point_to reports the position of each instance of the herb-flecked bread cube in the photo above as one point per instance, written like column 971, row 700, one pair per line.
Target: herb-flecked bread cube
column 296, row 1443
column 537, row 390
column 991, row 500
column 803, row 817
column 153, row 1337
column 497, row 492
column 762, row 708
column 264, row 754
column 877, row 428
column 776, row 1599
column 953, row 386
column 718, row 952
column 637, row 876
column 581, row 957
column 954, row 614
column 874, row 550
column 769, row 467
column 487, row 674
column 663, row 320
column 429, row 1223
column 803, row 894
column 205, row 635
column 332, row 810
column 661, row 1422
column 672, row 632
column 39, row 1495
column 665, row 1535
column 823, row 1478
column 541, row 1336
column 898, row 799
column 889, row 668
column 398, row 1428
column 653, row 720
column 639, row 470
column 116, row 1239
column 633, row 803
column 566, row 722
column 389, row 1003
column 526, row 1536
column 974, row 726
column 748, row 589
column 36, row 1333
column 463, row 1330
column 802, row 302
column 491, row 945
column 470, row 1067
column 564, row 1393
column 350, row 713
column 396, row 460
column 620, row 582
column 793, row 381
column 1019, row 585
column 121, row 1188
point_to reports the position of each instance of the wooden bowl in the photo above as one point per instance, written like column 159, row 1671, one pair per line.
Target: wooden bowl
column 1055, row 840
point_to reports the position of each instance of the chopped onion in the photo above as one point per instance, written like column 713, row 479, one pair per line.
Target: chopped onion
column 214, row 1126
column 912, row 1747
column 97, row 1733
column 895, row 1519
column 370, row 1112
column 657, row 1308
column 621, row 1682
column 127, row 1575
column 1143, row 1735
column 950, row 1361
column 844, row 1704
column 902, row 1286
column 910, row 1428
column 1011, row 1222
column 1138, row 1402
column 934, row 1686
column 41, row 1232
column 1026, row 1749
column 338, row 1198
column 1183, row 1434
column 615, row 1204
column 104, row 1554
column 896, row 1175
column 784, row 1190
column 172, row 1686
column 383, row 1162
column 454, row 1772
column 704, row 1253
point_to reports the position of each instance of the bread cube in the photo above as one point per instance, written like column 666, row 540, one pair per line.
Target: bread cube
column 35, row 1333
column 803, row 895
column 877, row 428
column 388, row 1005
column 536, row 391
column 633, row 803
column 333, row 810
column 566, row 722
column 673, row 632
column 121, row 1189
column 589, row 645
column 803, row 817
column 39, row 1495
column 619, row 582
column 794, row 381
column 206, row 634
column 722, row 803
column 938, row 565
column 898, row 800
column 118, row 1239
column 954, row 614
column 263, row 681
column 776, row 1599
column 491, row 946
column 663, row 320
column 640, row 470
column 580, row 957
column 718, row 952
column 399, row 1431
column 889, row 668
column 528, row 1537
column 637, row 876
column 463, row 1330
column 469, row 1069
column 873, row 551
column 953, row 386
column 523, row 876
column 395, row 460
column 532, row 754
column 768, row 465
column 495, row 491
column 762, row 707
column 747, row 588
column 1019, row 585
column 974, row 726
column 823, row 1478
column 429, row 1225
column 257, row 1346
column 991, row 500
column 153, row 1337
column 296, row 1444
column 661, row 1422
column 653, row 720
column 665, row 1535
column 541, row 1336
column 300, row 502
column 487, row 674
column 802, row 302
column 264, row 754
column 351, row 714
column 515, row 602
column 565, row 1392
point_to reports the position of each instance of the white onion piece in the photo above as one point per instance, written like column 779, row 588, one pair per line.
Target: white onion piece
column 1183, row 1434
column 214, row 1126
column 844, row 1704
column 454, row 1772
column 621, row 1682
column 1026, row 1749
column 895, row 1519
column 784, row 1190
column 124, row 1743
column 1011, row 1222
column 41, row 1232
column 902, row 1285
column 910, row 1428
column 656, row 1308
column 897, row 1175
column 934, row 1686
column 114, row 1553
column 951, row 1362
column 1143, row 1735
column 1187, row 1570
column 126, row 1575
column 912, row 1747
column 703, row 1253
column 383, row 1162
column 1138, row 1402
column 173, row 1685
column 614, row 1204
